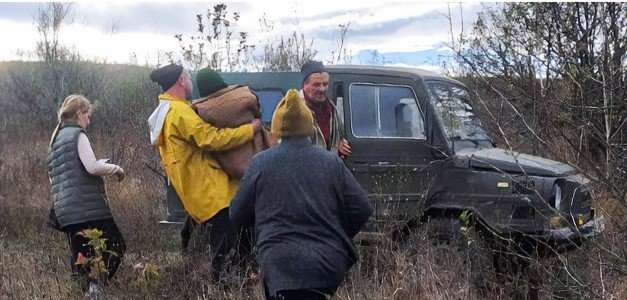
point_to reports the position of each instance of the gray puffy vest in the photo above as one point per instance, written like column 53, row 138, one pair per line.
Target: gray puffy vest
column 78, row 196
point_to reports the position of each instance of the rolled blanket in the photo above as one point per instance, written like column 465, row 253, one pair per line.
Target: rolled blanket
column 232, row 107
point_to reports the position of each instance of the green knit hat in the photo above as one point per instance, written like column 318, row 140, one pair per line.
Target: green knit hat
column 209, row 82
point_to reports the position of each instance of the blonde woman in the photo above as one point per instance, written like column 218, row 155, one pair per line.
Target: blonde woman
column 78, row 192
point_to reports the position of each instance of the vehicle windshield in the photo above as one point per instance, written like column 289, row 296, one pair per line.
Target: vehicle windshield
column 452, row 105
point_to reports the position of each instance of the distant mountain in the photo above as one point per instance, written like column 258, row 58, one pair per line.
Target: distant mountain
column 431, row 59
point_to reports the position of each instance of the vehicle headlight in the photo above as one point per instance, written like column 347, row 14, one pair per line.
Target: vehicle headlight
column 557, row 196
column 580, row 219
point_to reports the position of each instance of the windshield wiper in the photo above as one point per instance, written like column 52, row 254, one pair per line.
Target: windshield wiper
column 474, row 141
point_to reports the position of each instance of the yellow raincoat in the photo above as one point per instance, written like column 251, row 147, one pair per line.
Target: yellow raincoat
column 184, row 141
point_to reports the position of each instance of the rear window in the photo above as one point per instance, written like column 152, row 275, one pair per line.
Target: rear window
column 268, row 99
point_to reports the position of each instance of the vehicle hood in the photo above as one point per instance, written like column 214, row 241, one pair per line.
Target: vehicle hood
column 514, row 162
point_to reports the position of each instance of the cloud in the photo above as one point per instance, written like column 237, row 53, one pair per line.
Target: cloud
column 402, row 27
column 20, row 12
column 112, row 30
column 115, row 30
column 162, row 18
column 105, row 46
column 16, row 36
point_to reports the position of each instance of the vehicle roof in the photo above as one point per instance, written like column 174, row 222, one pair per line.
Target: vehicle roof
column 414, row 73
column 292, row 79
column 261, row 80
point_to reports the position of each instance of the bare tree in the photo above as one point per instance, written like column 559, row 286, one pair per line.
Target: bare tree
column 48, row 19
column 287, row 54
column 342, row 53
column 216, row 43
column 563, row 64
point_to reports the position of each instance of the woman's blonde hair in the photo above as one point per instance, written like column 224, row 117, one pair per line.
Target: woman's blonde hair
column 72, row 105
column 67, row 113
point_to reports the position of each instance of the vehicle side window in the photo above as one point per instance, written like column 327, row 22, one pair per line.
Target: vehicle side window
column 384, row 111
column 268, row 99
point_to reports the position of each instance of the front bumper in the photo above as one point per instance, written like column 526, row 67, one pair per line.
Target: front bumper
column 591, row 228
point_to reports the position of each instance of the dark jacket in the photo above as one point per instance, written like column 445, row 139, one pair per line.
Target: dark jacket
column 306, row 206
column 77, row 195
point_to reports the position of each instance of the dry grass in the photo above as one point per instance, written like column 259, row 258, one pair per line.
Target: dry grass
column 34, row 260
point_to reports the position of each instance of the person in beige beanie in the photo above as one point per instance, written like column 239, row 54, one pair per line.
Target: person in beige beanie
column 292, row 117
column 305, row 207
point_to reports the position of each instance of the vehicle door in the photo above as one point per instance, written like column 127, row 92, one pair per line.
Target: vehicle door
column 384, row 125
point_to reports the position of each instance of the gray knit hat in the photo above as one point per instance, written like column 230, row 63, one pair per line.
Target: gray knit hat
column 309, row 68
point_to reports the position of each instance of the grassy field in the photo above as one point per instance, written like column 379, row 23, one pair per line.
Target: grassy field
column 34, row 260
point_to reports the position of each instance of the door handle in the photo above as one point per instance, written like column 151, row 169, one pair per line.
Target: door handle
column 359, row 168
column 382, row 166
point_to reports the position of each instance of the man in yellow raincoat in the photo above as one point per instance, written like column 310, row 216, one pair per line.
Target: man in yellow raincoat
column 185, row 143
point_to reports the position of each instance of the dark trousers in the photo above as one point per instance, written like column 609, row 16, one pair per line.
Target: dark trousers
column 303, row 294
column 229, row 246
column 78, row 244
column 186, row 233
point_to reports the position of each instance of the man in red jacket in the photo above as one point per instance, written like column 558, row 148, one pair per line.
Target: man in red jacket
column 328, row 124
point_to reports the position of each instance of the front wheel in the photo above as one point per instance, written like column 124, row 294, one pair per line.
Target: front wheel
column 448, row 234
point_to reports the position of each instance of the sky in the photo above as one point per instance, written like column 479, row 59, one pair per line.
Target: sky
column 395, row 33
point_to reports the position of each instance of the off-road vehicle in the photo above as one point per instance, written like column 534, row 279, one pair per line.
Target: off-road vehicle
column 421, row 153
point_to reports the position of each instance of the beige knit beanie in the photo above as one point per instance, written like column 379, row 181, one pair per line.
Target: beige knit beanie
column 292, row 117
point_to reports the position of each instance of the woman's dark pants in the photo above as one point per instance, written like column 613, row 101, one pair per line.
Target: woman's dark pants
column 78, row 244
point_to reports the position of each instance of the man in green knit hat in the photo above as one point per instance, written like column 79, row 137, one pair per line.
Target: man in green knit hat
column 230, row 106
column 209, row 81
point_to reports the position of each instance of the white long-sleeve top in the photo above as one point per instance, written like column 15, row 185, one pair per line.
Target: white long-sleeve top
column 94, row 166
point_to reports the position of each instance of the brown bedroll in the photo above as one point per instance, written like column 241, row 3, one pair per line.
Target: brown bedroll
column 232, row 107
